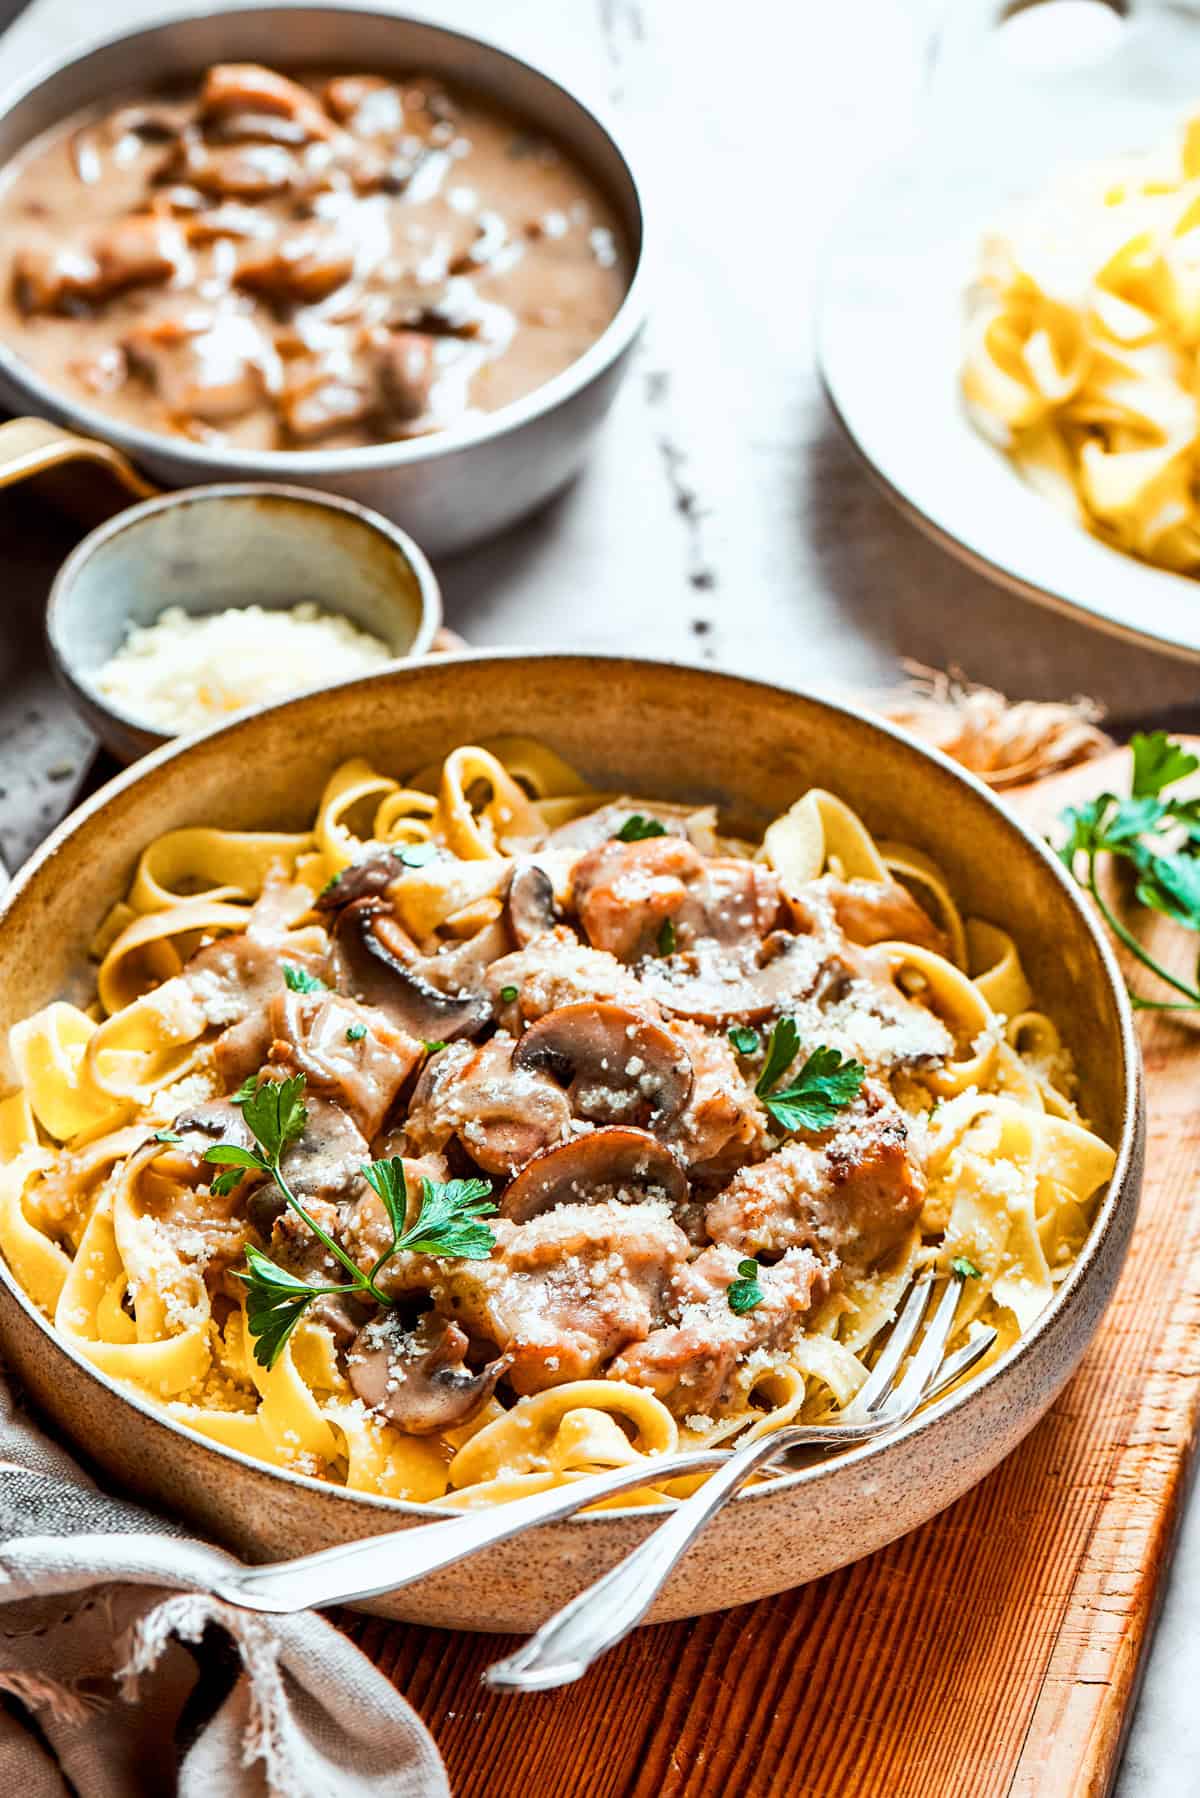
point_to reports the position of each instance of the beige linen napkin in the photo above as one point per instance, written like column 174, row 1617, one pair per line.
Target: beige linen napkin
column 123, row 1678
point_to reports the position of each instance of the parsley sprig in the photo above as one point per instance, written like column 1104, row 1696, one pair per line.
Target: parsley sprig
column 637, row 828
column 1159, row 835
column 448, row 1222
column 745, row 1293
column 823, row 1087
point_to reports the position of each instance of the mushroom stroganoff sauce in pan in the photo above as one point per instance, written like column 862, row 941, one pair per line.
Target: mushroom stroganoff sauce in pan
column 278, row 263
column 497, row 1130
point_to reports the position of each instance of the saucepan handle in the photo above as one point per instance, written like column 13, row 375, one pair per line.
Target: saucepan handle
column 30, row 446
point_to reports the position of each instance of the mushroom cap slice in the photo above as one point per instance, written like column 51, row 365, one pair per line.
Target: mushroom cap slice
column 590, row 1166
column 622, row 1066
column 368, row 956
column 369, row 878
column 417, row 1379
column 530, row 903
column 715, row 985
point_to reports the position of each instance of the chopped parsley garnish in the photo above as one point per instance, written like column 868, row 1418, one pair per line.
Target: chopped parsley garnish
column 508, row 994
column 963, row 1269
column 432, row 1048
column 246, row 1090
column 745, row 1040
column 299, row 980
column 356, row 1033
column 745, row 1293
column 1159, row 837
column 415, row 855
column 637, row 828
column 823, row 1087
column 667, row 938
column 448, row 1222
column 167, row 1136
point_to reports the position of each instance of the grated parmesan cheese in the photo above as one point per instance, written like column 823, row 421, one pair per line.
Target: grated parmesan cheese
column 189, row 670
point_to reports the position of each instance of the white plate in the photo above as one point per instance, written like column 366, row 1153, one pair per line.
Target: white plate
column 890, row 314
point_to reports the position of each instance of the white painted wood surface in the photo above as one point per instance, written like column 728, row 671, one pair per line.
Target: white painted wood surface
column 724, row 519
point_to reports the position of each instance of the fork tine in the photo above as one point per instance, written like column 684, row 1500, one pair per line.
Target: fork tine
column 956, row 1365
column 923, row 1367
column 878, row 1385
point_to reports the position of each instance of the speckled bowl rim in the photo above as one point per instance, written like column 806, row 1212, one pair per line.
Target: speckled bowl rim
column 267, row 465
column 1004, row 1372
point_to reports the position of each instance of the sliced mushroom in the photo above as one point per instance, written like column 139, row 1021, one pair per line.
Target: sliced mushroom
column 369, row 954
column 501, row 1115
column 530, row 903
column 367, row 879
column 417, row 1379
column 714, row 984
column 594, row 1166
column 620, row 1066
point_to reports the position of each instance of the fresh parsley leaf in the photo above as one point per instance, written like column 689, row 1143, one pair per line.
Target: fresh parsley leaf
column 246, row 1090
column 1171, row 884
column 745, row 1040
column 432, row 1048
column 508, row 994
column 964, row 1269
column 299, row 980
column 275, row 1302
column 223, row 1184
column 781, row 1052
column 824, row 1085
column 235, row 1160
column 1158, row 763
column 356, row 1033
column 448, row 1222
column 387, row 1178
column 745, row 1293
column 415, row 855
column 276, row 1115
column 167, row 1136
column 637, row 828
column 667, row 938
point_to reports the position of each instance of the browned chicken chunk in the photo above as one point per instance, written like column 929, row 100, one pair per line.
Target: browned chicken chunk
column 693, row 1364
column 316, row 1034
column 851, row 1195
column 502, row 1115
column 625, row 894
column 140, row 251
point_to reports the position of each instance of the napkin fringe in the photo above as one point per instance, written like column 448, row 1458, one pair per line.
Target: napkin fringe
column 185, row 1617
column 36, row 1691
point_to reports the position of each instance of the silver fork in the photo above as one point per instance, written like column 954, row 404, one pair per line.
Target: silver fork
column 387, row 1563
column 606, row 1611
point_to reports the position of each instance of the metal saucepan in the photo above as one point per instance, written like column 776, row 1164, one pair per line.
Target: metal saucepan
column 449, row 489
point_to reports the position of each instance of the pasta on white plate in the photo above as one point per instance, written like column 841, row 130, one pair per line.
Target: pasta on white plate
column 1080, row 354
column 496, row 1131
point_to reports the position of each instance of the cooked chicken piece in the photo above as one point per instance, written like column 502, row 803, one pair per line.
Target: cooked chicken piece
column 562, row 1294
column 601, row 826
column 140, row 251
column 235, row 171
column 237, row 975
column 557, row 969
column 851, row 1195
column 367, row 104
column 213, row 372
column 316, row 1034
column 876, row 911
column 860, row 1010
column 298, row 268
column 231, row 88
column 722, row 1123
column 407, row 368
column 694, row 1365
column 501, row 1115
column 625, row 893
column 317, row 406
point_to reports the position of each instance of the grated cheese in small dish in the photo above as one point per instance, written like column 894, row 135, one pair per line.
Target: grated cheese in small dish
column 188, row 670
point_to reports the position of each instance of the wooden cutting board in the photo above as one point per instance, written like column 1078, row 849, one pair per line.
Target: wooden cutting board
column 996, row 1651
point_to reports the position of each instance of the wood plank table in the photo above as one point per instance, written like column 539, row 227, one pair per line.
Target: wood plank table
column 723, row 520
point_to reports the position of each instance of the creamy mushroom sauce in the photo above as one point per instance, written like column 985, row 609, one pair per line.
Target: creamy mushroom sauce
column 325, row 261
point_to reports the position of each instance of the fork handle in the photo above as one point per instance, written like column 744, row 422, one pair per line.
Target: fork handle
column 604, row 1613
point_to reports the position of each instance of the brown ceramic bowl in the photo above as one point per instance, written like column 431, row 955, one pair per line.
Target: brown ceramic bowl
column 642, row 727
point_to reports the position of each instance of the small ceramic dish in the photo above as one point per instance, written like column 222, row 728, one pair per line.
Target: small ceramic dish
column 630, row 726
column 210, row 548
column 891, row 314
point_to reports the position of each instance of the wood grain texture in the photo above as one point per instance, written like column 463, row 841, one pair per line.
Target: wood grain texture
column 994, row 1653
